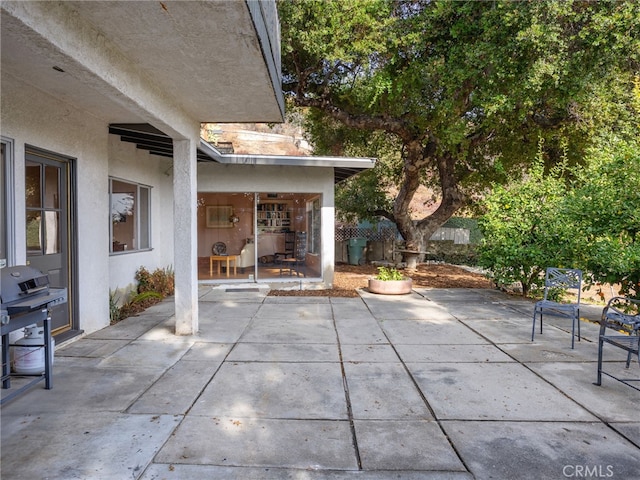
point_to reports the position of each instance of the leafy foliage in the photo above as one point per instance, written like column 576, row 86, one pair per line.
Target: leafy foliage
column 523, row 233
column 136, row 304
column 151, row 289
column 593, row 223
column 605, row 209
column 361, row 199
column 454, row 95
column 386, row 274
column 161, row 281
column 114, row 308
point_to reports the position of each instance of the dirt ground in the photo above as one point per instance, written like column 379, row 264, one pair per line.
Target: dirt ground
column 348, row 278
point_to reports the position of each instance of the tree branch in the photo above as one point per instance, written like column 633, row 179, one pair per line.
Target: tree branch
column 362, row 122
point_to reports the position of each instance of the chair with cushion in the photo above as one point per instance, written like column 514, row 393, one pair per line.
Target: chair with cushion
column 559, row 281
column 247, row 256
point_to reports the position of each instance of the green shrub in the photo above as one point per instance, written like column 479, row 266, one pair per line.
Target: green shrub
column 386, row 274
column 524, row 232
column 151, row 289
column 162, row 281
column 593, row 223
column 114, row 308
column 605, row 208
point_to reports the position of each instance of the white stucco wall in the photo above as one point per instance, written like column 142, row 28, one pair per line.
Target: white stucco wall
column 213, row 177
column 121, row 83
column 31, row 117
column 128, row 163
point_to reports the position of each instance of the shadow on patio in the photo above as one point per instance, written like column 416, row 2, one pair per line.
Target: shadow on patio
column 436, row 384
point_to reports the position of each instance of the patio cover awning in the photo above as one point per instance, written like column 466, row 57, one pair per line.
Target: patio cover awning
column 149, row 138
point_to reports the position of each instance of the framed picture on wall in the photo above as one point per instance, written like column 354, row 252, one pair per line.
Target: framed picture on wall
column 219, row 216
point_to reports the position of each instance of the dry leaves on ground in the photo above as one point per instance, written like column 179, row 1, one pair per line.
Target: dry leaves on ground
column 348, row 278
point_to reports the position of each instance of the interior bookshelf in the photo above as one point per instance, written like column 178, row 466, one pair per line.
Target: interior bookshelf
column 274, row 217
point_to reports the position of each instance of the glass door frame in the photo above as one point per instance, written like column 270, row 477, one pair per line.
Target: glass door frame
column 7, row 180
column 210, row 234
column 69, row 225
column 298, row 208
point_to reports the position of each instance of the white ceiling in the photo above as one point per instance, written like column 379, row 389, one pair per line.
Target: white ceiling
column 204, row 56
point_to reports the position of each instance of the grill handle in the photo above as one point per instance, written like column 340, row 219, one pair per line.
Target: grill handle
column 31, row 291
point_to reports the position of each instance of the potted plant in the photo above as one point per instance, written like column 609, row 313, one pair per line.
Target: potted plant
column 390, row 281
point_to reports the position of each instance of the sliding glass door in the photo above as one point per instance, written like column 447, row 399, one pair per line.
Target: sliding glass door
column 266, row 236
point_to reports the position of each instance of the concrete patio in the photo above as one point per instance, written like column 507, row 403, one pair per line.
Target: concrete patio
column 439, row 384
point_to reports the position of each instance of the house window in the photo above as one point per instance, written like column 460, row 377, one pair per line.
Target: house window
column 130, row 216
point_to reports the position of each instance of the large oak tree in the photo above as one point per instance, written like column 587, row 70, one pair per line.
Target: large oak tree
column 453, row 95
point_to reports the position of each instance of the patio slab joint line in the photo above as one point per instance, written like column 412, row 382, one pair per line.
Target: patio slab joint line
column 420, row 393
column 345, row 386
column 525, row 365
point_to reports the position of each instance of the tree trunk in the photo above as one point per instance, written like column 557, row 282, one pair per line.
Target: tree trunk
column 416, row 234
column 419, row 153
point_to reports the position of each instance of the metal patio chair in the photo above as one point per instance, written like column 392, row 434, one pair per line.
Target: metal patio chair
column 560, row 279
column 620, row 327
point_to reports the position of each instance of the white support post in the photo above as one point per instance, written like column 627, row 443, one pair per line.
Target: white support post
column 185, row 236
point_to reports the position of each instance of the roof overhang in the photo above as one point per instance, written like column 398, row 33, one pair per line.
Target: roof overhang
column 209, row 61
column 343, row 167
column 149, row 138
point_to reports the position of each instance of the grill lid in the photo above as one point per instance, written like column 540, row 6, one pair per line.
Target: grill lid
column 21, row 281
column 24, row 289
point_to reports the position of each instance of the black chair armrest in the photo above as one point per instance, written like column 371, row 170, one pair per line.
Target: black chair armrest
column 621, row 313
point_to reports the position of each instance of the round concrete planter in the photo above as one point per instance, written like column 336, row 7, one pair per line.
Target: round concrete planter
column 390, row 287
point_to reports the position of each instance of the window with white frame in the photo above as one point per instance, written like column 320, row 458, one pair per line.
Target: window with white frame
column 130, row 216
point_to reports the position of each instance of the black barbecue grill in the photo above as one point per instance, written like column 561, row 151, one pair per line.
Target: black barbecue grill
column 26, row 299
